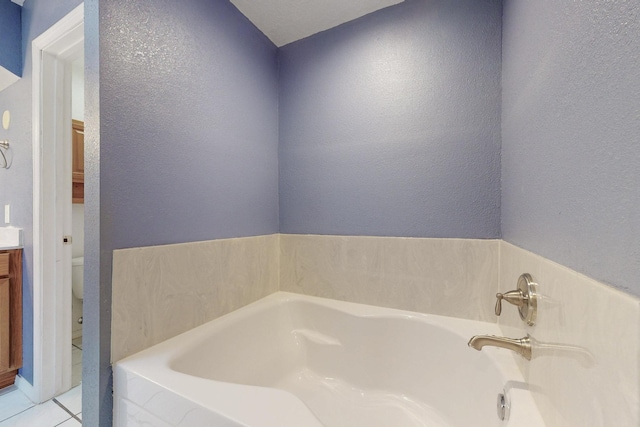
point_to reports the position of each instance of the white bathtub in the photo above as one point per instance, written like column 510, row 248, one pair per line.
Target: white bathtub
column 296, row 361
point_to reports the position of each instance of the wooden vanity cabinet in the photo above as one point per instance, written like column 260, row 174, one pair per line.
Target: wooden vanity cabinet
column 10, row 315
column 77, row 147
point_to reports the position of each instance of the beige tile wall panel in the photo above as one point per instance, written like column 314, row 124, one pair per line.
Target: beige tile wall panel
column 450, row 277
column 162, row 291
column 585, row 366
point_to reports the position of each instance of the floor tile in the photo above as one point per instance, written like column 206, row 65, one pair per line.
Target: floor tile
column 76, row 365
column 49, row 414
column 77, row 342
column 12, row 403
column 76, row 375
column 71, row 422
column 76, row 355
column 8, row 390
column 72, row 400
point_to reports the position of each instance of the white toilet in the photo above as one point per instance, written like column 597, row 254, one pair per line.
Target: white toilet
column 77, row 277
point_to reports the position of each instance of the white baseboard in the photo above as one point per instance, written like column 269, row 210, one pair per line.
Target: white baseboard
column 28, row 389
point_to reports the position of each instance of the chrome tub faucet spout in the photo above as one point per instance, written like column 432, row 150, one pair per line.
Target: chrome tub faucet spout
column 521, row 346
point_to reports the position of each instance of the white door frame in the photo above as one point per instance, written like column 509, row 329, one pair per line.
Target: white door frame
column 52, row 53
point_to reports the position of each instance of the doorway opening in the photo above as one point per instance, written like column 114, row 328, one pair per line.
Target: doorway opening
column 53, row 54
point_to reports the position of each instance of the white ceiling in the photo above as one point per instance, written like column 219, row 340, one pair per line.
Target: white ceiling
column 285, row 21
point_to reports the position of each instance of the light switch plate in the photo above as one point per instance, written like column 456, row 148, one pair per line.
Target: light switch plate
column 7, row 214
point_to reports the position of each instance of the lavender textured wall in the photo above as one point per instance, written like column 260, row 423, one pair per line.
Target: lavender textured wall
column 182, row 137
column 11, row 40
column 189, row 131
column 16, row 183
column 571, row 123
column 390, row 124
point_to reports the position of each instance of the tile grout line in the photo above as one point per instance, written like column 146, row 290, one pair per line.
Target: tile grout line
column 14, row 415
column 66, row 410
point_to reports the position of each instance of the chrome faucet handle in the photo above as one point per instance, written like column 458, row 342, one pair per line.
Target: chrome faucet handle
column 516, row 298
column 525, row 298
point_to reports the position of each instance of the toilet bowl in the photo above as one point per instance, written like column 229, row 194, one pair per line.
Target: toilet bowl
column 77, row 277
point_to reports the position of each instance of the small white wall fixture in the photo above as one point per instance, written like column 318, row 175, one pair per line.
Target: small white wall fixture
column 52, row 53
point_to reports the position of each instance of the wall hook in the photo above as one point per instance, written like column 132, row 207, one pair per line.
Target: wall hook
column 4, row 145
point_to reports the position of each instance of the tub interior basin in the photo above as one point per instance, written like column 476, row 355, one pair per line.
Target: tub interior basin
column 359, row 367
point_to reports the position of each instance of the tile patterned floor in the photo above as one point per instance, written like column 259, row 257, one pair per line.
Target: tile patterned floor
column 16, row 410
column 76, row 361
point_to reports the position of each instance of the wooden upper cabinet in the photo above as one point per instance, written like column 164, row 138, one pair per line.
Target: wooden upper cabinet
column 77, row 143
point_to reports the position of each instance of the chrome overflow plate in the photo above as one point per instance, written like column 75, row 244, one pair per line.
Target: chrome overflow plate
column 502, row 406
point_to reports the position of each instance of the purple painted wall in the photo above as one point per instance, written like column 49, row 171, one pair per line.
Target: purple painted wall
column 571, row 126
column 16, row 183
column 189, row 109
column 11, row 40
column 390, row 124
column 182, row 141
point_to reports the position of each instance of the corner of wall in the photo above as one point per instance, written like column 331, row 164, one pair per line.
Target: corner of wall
column 195, row 282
